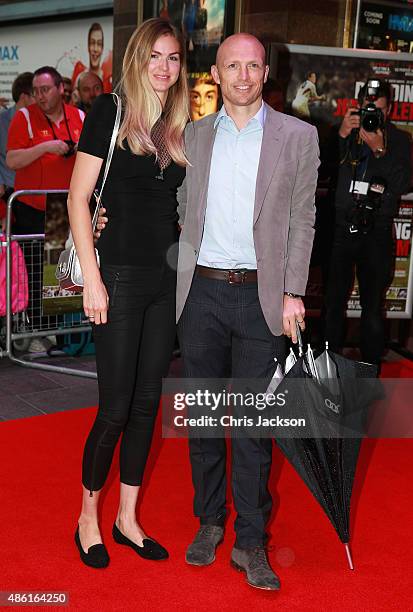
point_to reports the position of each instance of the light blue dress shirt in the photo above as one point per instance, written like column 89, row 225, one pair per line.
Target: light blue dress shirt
column 228, row 241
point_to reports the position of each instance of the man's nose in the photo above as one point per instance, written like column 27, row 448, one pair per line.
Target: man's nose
column 244, row 74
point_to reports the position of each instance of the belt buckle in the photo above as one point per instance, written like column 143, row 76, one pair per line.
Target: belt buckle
column 237, row 277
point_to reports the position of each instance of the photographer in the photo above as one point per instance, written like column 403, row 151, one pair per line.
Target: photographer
column 374, row 170
column 41, row 144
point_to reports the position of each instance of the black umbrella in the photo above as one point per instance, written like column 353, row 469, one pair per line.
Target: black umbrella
column 333, row 396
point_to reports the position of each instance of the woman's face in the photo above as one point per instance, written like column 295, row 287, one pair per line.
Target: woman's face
column 164, row 65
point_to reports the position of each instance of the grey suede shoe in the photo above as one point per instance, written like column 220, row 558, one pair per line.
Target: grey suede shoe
column 202, row 549
column 255, row 564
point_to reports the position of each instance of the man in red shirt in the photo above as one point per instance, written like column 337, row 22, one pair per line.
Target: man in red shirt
column 41, row 148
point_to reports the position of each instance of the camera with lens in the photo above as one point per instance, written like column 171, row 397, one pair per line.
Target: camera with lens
column 72, row 148
column 371, row 117
column 361, row 216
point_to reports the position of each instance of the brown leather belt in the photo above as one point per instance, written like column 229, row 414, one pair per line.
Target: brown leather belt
column 233, row 277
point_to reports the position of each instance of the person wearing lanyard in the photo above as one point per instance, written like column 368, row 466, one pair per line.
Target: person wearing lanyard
column 41, row 144
column 40, row 148
column 372, row 172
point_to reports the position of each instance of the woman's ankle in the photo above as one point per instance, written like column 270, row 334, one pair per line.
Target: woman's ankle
column 86, row 520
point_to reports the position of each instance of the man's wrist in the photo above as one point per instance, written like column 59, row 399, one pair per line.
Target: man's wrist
column 42, row 147
column 293, row 295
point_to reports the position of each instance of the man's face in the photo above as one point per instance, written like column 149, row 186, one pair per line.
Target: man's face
column 90, row 87
column 313, row 78
column 382, row 104
column 46, row 94
column 95, row 48
column 67, row 92
column 27, row 99
column 204, row 100
column 240, row 70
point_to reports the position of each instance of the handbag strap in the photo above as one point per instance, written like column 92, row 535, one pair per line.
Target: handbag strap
column 115, row 131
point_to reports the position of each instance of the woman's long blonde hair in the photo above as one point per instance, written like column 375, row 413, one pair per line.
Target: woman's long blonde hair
column 142, row 107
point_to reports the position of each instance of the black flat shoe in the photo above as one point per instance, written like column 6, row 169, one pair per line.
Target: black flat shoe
column 96, row 556
column 150, row 549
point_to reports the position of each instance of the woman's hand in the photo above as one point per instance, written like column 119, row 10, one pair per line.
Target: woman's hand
column 95, row 300
column 101, row 222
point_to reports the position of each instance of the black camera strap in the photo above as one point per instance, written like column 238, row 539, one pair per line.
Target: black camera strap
column 67, row 126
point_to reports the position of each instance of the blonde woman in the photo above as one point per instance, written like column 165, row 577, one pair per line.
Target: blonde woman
column 131, row 298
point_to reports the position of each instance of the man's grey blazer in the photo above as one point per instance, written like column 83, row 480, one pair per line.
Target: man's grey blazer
column 284, row 211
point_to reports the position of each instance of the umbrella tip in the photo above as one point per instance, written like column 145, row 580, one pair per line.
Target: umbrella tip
column 349, row 558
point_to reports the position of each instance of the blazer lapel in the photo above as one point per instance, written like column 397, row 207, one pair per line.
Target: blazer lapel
column 271, row 147
column 204, row 157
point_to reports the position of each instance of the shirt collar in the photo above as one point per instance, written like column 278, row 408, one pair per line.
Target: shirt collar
column 259, row 116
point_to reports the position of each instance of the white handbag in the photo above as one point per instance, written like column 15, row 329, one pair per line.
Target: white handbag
column 68, row 270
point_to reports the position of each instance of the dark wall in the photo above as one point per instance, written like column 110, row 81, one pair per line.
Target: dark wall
column 313, row 22
column 125, row 19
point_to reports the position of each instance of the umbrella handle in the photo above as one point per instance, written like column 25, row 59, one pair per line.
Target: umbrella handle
column 300, row 340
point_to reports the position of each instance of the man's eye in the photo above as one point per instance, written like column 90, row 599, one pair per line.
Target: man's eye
column 231, row 66
column 254, row 65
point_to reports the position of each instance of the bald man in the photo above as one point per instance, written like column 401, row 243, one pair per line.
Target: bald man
column 244, row 255
column 90, row 86
column 243, row 265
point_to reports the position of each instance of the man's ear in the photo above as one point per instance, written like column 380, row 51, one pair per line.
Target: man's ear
column 215, row 74
column 267, row 70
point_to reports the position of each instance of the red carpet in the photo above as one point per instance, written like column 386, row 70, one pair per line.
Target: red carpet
column 40, row 474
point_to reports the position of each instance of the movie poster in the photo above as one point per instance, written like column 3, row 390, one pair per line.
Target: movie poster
column 202, row 23
column 70, row 46
column 319, row 84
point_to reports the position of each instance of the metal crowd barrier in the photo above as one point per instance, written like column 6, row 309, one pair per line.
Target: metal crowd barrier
column 20, row 327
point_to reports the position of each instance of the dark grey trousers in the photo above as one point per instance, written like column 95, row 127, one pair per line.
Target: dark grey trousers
column 223, row 333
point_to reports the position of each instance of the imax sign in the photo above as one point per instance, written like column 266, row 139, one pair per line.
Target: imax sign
column 9, row 53
column 400, row 23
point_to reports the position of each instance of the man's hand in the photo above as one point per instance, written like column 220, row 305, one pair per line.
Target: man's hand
column 374, row 140
column 350, row 122
column 293, row 311
column 101, row 224
column 55, row 146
